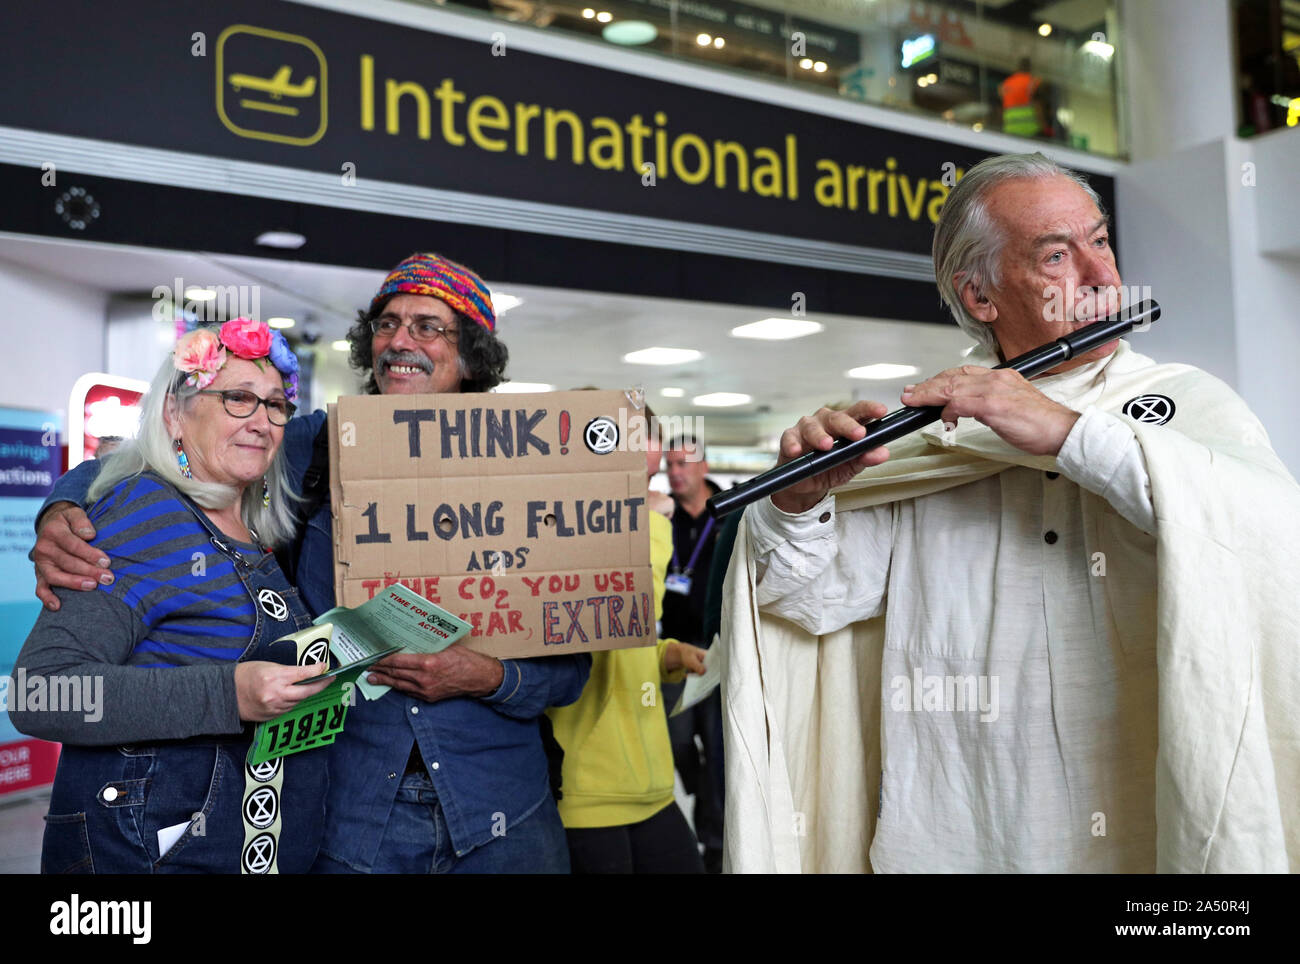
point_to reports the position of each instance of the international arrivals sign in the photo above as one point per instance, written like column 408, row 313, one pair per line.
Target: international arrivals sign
column 301, row 87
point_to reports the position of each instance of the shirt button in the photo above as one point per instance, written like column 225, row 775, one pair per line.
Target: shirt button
column 415, row 709
column 110, row 794
column 824, row 517
column 1050, row 537
column 1053, row 475
column 392, row 776
column 433, row 765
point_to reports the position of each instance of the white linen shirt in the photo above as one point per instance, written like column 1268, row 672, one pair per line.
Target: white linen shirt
column 1018, row 683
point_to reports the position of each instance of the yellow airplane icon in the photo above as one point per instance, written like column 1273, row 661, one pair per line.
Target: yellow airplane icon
column 270, row 90
column 277, row 86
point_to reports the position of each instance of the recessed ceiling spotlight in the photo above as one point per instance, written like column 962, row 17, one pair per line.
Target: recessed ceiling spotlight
column 341, row 345
column 200, row 294
column 777, row 329
column 662, row 356
column 280, row 322
column 721, row 400
column 1044, row 30
column 883, row 371
column 703, row 39
column 672, row 392
column 281, row 239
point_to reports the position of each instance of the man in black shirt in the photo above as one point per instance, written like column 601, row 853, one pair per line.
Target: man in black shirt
column 694, row 535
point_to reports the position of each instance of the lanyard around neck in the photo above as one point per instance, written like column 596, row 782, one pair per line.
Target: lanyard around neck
column 695, row 554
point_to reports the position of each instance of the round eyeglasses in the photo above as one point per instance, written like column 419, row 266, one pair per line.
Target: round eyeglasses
column 242, row 404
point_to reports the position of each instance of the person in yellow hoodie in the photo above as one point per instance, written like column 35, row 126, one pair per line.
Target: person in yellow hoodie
column 617, row 780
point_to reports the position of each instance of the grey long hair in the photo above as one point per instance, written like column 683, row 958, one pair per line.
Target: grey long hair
column 151, row 451
column 968, row 242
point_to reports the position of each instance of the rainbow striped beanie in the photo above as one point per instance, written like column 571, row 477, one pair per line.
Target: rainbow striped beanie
column 438, row 277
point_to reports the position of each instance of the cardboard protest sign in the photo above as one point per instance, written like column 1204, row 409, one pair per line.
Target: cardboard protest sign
column 524, row 515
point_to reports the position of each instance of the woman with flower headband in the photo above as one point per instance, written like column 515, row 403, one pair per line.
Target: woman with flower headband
column 177, row 660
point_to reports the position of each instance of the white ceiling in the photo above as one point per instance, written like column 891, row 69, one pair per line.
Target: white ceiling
column 561, row 337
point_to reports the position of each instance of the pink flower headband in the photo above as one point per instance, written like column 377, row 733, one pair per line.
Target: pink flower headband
column 201, row 353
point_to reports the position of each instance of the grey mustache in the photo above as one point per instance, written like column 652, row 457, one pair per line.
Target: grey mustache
column 389, row 357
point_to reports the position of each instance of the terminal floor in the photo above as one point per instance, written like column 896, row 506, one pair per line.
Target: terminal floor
column 22, row 822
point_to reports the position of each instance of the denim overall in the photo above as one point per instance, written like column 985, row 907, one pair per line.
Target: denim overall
column 108, row 803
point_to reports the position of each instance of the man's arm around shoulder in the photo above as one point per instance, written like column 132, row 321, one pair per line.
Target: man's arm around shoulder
column 63, row 554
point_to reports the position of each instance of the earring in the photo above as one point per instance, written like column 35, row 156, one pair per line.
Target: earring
column 182, row 460
column 266, row 494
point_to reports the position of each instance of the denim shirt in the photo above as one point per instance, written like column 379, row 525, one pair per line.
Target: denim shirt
column 484, row 755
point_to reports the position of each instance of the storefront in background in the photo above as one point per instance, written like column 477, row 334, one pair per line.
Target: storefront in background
column 942, row 59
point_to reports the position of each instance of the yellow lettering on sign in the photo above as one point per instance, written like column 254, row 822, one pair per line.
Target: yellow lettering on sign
column 392, row 107
column 701, row 149
column 829, row 189
column 551, row 122
column 498, row 119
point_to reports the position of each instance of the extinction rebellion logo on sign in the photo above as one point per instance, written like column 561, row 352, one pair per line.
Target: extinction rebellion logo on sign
column 271, row 86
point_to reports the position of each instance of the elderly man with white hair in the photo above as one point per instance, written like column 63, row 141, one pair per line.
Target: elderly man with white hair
column 1055, row 636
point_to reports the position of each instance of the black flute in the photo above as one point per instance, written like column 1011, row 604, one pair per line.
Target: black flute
column 904, row 421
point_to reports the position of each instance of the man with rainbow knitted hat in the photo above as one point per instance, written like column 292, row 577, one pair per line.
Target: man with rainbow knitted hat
column 445, row 773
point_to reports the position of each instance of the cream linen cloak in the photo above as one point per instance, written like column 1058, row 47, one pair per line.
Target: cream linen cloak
column 802, row 713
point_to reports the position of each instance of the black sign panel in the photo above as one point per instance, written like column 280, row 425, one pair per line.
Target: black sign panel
column 293, row 85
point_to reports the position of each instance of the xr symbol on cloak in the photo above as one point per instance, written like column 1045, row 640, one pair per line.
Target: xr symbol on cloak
column 272, row 604
column 259, row 854
column 601, row 435
column 1150, row 409
column 262, row 807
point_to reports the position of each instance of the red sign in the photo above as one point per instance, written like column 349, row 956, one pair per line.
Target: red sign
column 26, row 764
column 101, row 406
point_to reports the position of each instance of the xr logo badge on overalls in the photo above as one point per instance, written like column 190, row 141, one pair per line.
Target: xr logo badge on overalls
column 273, row 604
column 1150, row 409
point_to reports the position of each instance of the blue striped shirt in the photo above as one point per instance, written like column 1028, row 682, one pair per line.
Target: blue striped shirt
column 186, row 593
